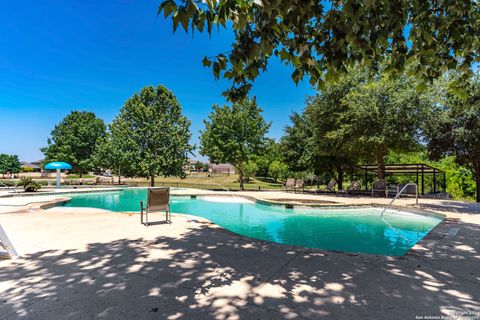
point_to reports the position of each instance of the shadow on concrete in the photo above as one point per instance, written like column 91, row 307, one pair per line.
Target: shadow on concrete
column 210, row 274
column 455, row 206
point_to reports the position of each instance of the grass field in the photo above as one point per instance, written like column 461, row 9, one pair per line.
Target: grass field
column 223, row 181
column 195, row 180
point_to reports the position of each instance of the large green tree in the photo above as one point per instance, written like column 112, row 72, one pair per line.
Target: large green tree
column 296, row 143
column 277, row 170
column 112, row 153
column 75, row 139
column 234, row 134
column 272, row 153
column 153, row 134
column 9, row 163
column 379, row 116
column 332, row 156
column 321, row 39
column 306, row 150
column 455, row 130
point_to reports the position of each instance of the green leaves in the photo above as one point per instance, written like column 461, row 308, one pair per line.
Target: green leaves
column 277, row 169
column 206, row 62
column 9, row 163
column 168, row 7
column 305, row 34
column 455, row 129
column 150, row 136
column 355, row 118
column 28, row 184
column 74, row 140
column 234, row 134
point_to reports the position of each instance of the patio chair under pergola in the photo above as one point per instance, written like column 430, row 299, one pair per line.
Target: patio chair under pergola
column 419, row 170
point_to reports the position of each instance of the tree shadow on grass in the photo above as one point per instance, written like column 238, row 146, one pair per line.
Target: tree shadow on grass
column 211, row 274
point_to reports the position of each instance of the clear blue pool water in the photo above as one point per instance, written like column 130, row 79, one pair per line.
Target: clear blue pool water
column 359, row 230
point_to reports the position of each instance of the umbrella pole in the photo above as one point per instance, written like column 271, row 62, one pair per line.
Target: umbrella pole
column 58, row 178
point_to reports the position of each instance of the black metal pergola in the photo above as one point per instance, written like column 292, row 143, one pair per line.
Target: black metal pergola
column 412, row 169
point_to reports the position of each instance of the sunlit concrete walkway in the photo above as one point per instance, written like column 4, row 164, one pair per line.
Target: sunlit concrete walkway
column 92, row 264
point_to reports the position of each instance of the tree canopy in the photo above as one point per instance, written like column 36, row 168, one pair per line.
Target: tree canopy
column 354, row 119
column 112, row 153
column 330, row 153
column 234, row 134
column 380, row 116
column 152, row 134
column 296, row 143
column 456, row 130
column 9, row 163
column 278, row 170
column 272, row 153
column 321, row 39
column 74, row 140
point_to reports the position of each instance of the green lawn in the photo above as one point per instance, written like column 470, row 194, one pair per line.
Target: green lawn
column 76, row 176
column 201, row 180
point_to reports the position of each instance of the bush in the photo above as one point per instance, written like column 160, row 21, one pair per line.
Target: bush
column 249, row 170
column 7, row 183
column 28, row 185
column 278, row 170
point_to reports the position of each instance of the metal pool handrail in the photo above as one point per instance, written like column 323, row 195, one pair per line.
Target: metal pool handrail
column 400, row 193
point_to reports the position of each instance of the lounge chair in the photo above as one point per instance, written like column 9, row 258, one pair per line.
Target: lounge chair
column 158, row 199
column 289, row 184
column 380, row 186
column 299, row 184
column 354, row 186
column 331, row 186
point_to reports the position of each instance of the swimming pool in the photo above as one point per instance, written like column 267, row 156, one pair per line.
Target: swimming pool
column 359, row 230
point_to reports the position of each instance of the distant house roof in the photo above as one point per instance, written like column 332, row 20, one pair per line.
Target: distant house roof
column 192, row 161
column 31, row 165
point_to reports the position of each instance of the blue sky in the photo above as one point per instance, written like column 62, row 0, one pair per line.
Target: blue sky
column 58, row 56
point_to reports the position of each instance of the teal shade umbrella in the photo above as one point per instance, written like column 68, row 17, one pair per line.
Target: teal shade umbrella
column 58, row 165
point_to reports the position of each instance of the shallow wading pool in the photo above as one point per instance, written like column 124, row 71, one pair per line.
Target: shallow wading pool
column 352, row 230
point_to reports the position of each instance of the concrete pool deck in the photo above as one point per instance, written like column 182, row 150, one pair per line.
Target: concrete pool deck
column 81, row 263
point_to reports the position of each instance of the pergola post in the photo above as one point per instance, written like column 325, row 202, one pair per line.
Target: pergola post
column 423, row 181
column 417, row 175
column 444, row 182
column 415, row 171
column 366, row 178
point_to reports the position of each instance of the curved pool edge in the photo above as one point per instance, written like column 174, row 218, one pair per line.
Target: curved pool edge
column 409, row 209
column 417, row 249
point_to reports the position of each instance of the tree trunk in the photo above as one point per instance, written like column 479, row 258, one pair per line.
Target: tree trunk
column 340, row 178
column 152, row 181
column 119, row 176
column 240, row 174
column 380, row 167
